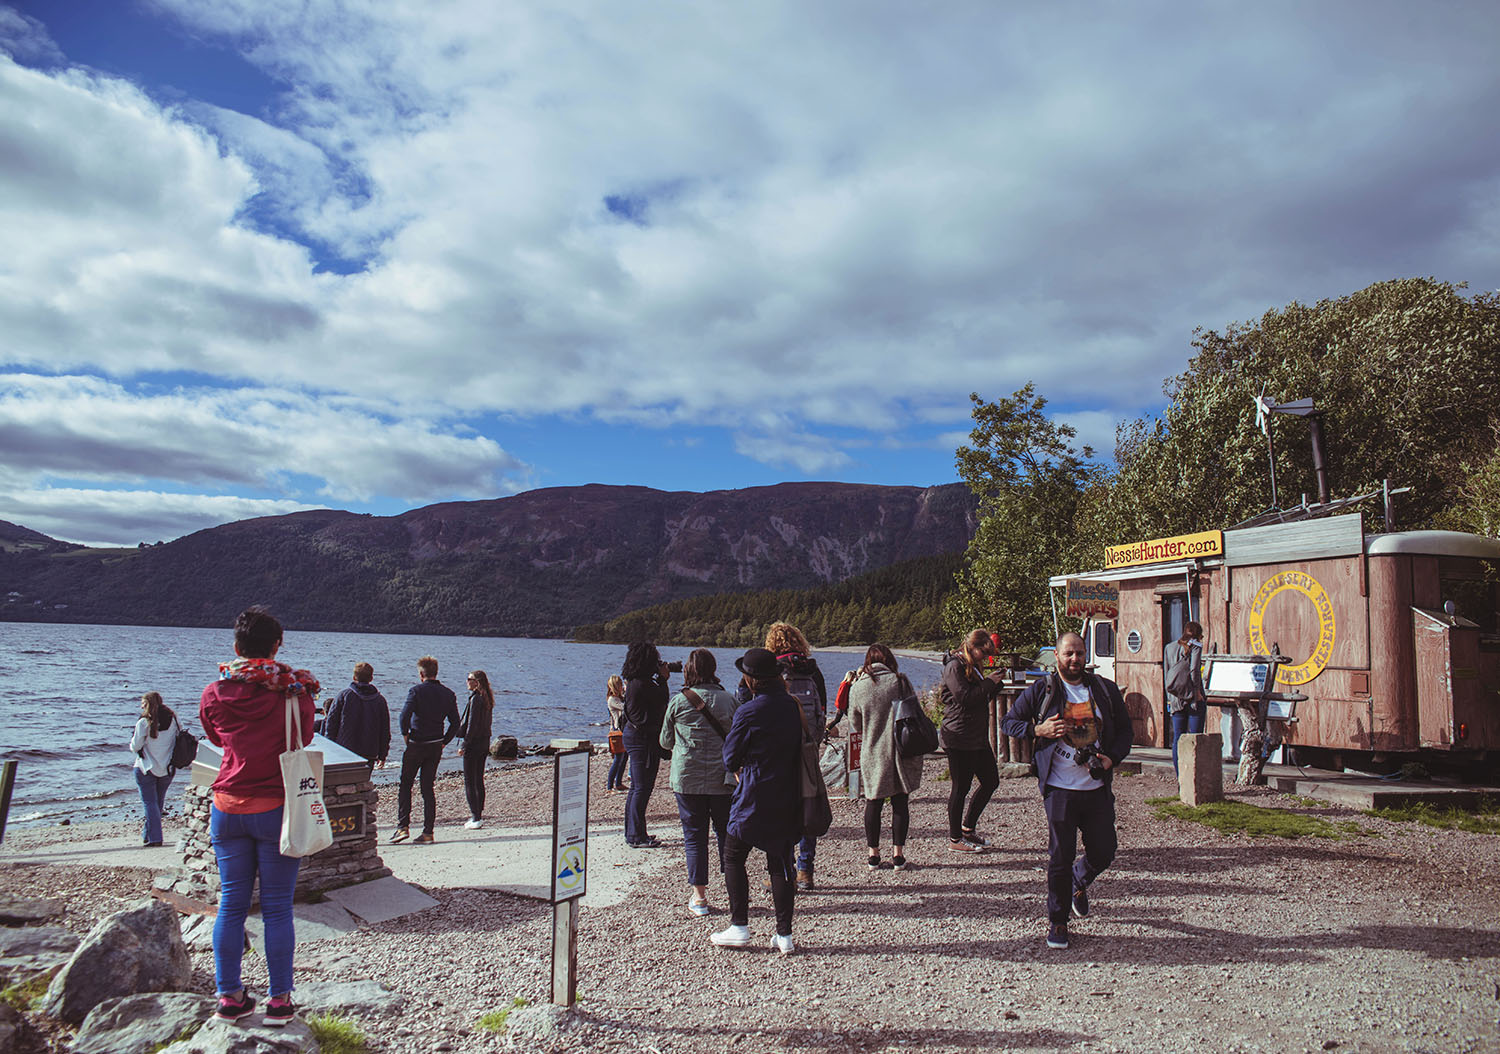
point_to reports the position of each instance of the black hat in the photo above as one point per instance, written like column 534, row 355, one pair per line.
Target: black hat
column 758, row 663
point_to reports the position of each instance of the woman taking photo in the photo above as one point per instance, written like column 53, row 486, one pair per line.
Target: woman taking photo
column 154, row 737
column 965, row 738
column 764, row 752
column 474, row 743
column 244, row 713
column 693, row 732
column 883, row 773
column 614, row 699
column 645, row 677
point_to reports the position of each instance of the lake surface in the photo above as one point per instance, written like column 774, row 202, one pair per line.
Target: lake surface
column 70, row 696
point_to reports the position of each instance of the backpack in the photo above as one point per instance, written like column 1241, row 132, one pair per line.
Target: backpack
column 802, row 687
column 916, row 735
column 1180, row 674
column 185, row 749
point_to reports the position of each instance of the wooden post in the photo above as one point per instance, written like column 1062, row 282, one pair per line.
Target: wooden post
column 7, row 785
column 565, row 952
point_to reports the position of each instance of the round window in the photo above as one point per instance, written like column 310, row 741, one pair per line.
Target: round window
column 1133, row 640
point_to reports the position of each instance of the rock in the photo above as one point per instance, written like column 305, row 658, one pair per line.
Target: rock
column 360, row 998
column 222, row 1037
column 528, row 1027
column 35, row 948
column 141, row 1024
column 1014, row 770
column 1201, row 768
column 136, row 950
column 15, row 1033
column 503, row 747
column 198, row 933
column 26, row 911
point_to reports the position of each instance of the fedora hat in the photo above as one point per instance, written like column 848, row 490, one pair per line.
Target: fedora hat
column 758, row 663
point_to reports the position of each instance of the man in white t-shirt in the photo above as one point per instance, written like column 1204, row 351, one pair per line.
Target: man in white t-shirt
column 1082, row 731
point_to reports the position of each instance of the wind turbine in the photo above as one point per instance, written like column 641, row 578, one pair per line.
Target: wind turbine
column 1264, row 408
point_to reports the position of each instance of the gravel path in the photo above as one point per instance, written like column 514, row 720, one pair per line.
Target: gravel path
column 1389, row 941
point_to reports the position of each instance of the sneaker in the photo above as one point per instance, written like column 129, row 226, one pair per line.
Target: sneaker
column 400, row 834
column 873, row 863
column 898, row 863
column 961, row 846
column 805, row 881
column 234, row 1009
column 1081, row 902
column 782, row 944
column 279, row 1011
column 1057, row 935
column 974, row 839
column 651, row 842
column 733, row 937
column 698, row 907
column 425, row 838
column 474, row 825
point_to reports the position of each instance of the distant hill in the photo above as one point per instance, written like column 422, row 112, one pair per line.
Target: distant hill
column 900, row 605
column 534, row 564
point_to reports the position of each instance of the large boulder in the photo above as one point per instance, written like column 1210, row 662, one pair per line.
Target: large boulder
column 222, row 1037
column 142, row 1024
column 26, row 911
column 503, row 748
column 136, row 950
column 15, row 1034
column 34, row 949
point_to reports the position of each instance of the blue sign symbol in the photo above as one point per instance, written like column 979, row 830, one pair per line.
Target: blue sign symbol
column 571, row 872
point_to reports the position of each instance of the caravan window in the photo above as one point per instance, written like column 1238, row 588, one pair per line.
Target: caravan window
column 1104, row 639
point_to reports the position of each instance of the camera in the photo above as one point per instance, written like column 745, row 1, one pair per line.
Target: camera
column 674, row 667
column 1089, row 756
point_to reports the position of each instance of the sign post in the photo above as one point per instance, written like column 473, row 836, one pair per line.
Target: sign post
column 570, row 850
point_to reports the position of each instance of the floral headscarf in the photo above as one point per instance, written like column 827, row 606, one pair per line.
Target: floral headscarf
column 277, row 676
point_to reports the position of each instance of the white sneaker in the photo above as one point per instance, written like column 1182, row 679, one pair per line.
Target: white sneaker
column 474, row 825
column 782, row 944
column 698, row 907
column 733, row 937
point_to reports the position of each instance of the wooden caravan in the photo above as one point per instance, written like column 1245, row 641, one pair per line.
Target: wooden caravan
column 1394, row 638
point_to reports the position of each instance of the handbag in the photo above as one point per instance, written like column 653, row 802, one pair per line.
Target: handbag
column 305, row 829
column 817, row 814
column 916, row 735
column 616, row 741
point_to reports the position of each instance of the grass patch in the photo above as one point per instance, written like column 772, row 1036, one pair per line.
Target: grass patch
column 494, row 1021
column 182, row 1037
column 1236, row 817
column 943, row 777
column 337, row 1035
column 27, row 995
column 1485, row 819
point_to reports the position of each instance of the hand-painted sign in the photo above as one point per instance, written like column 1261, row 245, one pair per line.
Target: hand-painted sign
column 1181, row 547
column 1312, row 589
column 1092, row 598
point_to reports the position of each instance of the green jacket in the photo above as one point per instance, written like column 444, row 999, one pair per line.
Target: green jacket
column 696, row 746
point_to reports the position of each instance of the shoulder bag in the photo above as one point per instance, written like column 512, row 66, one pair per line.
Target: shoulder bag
column 1180, row 675
column 916, row 735
column 817, row 814
column 304, row 819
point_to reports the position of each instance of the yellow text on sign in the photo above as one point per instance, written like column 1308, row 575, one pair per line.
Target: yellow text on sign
column 1182, row 547
column 1310, row 587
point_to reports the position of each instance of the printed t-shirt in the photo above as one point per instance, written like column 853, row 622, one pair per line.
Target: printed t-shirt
column 1083, row 729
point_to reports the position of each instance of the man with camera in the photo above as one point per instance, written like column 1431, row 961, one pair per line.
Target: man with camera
column 1082, row 731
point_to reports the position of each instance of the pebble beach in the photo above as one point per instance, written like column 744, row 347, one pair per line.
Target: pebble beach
column 1385, row 941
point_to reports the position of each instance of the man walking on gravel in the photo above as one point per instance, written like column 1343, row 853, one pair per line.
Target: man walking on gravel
column 1081, row 731
column 428, row 705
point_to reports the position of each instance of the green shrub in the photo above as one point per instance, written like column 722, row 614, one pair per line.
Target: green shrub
column 27, row 994
column 495, row 1020
column 1484, row 819
column 337, row 1035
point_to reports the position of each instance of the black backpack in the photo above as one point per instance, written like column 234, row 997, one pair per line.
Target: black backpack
column 185, row 749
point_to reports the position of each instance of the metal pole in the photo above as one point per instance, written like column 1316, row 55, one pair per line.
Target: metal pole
column 7, row 785
column 1315, row 430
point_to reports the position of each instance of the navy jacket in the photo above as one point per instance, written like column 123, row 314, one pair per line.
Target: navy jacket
column 645, row 709
column 360, row 719
column 428, row 706
column 765, row 748
column 476, row 724
column 1045, row 696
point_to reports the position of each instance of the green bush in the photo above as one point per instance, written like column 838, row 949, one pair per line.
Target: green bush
column 337, row 1035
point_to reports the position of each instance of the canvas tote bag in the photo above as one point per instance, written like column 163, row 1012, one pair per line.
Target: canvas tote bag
column 304, row 821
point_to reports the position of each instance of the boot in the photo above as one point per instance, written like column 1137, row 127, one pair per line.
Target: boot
column 805, row 881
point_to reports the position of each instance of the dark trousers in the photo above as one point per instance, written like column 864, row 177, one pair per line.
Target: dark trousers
column 737, row 883
column 645, row 760
column 419, row 758
column 1183, row 721
column 900, row 820
column 474, row 759
column 698, row 813
column 964, row 766
column 1069, row 813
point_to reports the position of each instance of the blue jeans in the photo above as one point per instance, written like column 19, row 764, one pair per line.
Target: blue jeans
column 645, row 761
column 247, row 844
column 807, row 849
column 1189, row 720
column 153, row 796
column 616, row 777
column 698, row 812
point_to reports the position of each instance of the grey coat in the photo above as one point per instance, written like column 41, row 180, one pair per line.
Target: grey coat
column 696, row 746
column 872, row 708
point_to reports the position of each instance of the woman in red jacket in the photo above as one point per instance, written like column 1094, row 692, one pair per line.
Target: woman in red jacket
column 244, row 713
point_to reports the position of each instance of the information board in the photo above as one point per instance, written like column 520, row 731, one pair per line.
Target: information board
column 570, row 825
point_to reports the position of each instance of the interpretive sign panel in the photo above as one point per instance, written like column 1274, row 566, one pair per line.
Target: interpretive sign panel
column 570, row 825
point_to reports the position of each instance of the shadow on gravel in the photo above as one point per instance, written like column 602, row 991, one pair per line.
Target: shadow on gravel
column 1227, row 858
column 758, row 1040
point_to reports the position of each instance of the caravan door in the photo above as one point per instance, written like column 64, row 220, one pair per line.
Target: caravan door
column 1099, row 646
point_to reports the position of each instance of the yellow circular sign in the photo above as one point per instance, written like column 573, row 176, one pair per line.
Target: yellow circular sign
column 1310, row 587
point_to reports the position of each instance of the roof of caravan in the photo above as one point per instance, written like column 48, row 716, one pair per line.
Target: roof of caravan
column 1433, row 543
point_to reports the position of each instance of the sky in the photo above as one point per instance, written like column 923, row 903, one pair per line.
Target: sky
column 258, row 256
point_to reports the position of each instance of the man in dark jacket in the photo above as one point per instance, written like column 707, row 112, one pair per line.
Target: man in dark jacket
column 360, row 719
column 1082, row 731
column 428, row 705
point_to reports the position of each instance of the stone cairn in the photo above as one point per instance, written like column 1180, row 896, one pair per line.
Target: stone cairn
column 353, row 857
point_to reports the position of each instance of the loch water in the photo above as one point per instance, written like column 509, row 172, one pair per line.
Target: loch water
column 70, row 695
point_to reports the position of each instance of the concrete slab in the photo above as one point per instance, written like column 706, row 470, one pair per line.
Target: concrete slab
column 315, row 922
column 381, row 900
